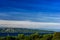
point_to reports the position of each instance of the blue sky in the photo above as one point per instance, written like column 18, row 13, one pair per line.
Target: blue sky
column 46, row 11
column 33, row 10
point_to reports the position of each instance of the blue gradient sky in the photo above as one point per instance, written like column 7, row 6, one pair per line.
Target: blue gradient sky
column 46, row 11
column 33, row 10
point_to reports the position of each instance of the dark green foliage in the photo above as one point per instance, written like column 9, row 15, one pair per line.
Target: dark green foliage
column 10, row 38
column 21, row 36
column 0, row 38
column 35, row 36
column 47, row 37
column 56, row 36
column 27, row 38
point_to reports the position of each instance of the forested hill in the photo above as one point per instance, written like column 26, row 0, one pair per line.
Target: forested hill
column 13, row 30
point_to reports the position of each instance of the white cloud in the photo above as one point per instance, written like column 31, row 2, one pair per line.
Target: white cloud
column 28, row 24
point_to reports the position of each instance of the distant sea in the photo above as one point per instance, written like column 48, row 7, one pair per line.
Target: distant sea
column 16, row 34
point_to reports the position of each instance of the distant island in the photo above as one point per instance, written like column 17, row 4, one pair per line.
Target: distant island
column 21, row 30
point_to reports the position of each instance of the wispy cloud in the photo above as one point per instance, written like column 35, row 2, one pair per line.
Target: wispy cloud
column 33, row 16
column 4, row 14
